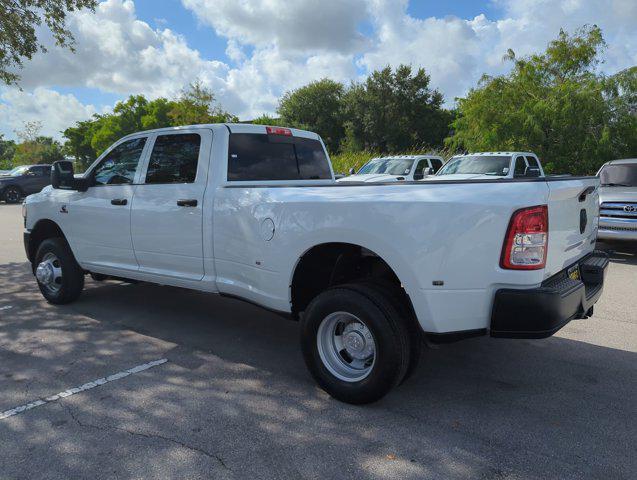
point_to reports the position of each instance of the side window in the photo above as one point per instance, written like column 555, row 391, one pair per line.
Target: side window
column 436, row 164
column 419, row 172
column 260, row 157
column 533, row 163
column 520, row 167
column 43, row 171
column 119, row 166
column 174, row 159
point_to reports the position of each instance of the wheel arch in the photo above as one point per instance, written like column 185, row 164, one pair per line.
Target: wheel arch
column 324, row 265
column 42, row 230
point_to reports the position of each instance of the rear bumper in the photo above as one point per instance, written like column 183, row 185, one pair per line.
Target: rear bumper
column 540, row 312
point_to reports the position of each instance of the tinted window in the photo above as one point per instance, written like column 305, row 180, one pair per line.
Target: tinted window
column 174, row 159
column 119, row 166
column 436, row 164
column 42, row 171
column 273, row 157
column 520, row 167
column 420, row 167
column 533, row 163
column 619, row 175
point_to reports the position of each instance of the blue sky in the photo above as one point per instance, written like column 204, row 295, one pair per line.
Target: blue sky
column 249, row 52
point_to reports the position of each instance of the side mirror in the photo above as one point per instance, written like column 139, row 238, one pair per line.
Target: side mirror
column 430, row 171
column 63, row 177
column 352, row 171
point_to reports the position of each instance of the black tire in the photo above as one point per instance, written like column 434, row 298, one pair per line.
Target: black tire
column 416, row 340
column 389, row 330
column 72, row 280
column 12, row 194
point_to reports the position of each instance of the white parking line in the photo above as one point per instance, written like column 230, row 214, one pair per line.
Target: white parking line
column 7, row 307
column 81, row 388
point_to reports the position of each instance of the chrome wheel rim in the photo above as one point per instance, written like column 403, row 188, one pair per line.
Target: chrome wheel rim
column 346, row 346
column 49, row 273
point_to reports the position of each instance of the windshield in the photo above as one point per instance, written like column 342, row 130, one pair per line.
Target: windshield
column 18, row 171
column 621, row 175
column 478, row 165
column 389, row 166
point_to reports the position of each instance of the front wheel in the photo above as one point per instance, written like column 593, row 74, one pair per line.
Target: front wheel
column 355, row 343
column 12, row 194
column 60, row 278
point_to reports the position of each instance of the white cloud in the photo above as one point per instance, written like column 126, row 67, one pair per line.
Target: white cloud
column 54, row 110
column 277, row 45
column 456, row 52
column 296, row 25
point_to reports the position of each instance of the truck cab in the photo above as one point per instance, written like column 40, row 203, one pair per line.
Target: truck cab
column 396, row 169
column 491, row 165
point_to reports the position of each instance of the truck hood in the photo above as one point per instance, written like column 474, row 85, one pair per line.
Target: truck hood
column 462, row 176
column 618, row 194
column 370, row 177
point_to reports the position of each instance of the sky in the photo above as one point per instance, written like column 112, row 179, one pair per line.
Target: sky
column 249, row 52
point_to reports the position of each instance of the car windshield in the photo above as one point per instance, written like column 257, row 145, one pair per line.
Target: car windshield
column 478, row 165
column 18, row 171
column 389, row 166
column 621, row 175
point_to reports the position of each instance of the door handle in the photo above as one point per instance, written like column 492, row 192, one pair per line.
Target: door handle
column 119, row 201
column 187, row 203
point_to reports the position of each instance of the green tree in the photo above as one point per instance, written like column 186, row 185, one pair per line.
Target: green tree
column 196, row 105
column 7, row 150
column 395, row 110
column 266, row 119
column 556, row 104
column 318, row 107
column 88, row 139
column 19, row 20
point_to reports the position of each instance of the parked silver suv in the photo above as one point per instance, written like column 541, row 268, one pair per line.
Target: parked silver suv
column 618, row 197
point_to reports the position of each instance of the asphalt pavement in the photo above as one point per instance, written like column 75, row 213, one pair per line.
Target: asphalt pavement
column 234, row 400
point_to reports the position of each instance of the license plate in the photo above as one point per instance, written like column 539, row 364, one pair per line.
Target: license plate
column 573, row 272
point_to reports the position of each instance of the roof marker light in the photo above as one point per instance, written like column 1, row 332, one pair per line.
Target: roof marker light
column 278, row 131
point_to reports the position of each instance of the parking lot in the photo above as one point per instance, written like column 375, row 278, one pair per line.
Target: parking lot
column 234, row 400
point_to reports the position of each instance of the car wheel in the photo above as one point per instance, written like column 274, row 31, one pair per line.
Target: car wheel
column 415, row 333
column 60, row 278
column 355, row 343
column 12, row 194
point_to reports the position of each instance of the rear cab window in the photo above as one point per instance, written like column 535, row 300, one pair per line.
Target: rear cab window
column 262, row 157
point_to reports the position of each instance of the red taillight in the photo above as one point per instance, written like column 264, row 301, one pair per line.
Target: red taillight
column 278, row 131
column 527, row 239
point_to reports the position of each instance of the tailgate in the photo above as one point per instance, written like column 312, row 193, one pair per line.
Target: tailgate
column 573, row 217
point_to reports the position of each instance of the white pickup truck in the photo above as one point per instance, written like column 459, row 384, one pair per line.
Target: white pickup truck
column 396, row 168
column 490, row 165
column 369, row 269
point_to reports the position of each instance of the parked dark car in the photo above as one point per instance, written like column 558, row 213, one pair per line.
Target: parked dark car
column 24, row 180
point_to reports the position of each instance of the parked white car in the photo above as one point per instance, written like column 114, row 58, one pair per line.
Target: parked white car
column 618, row 197
column 396, row 169
column 491, row 165
column 369, row 269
